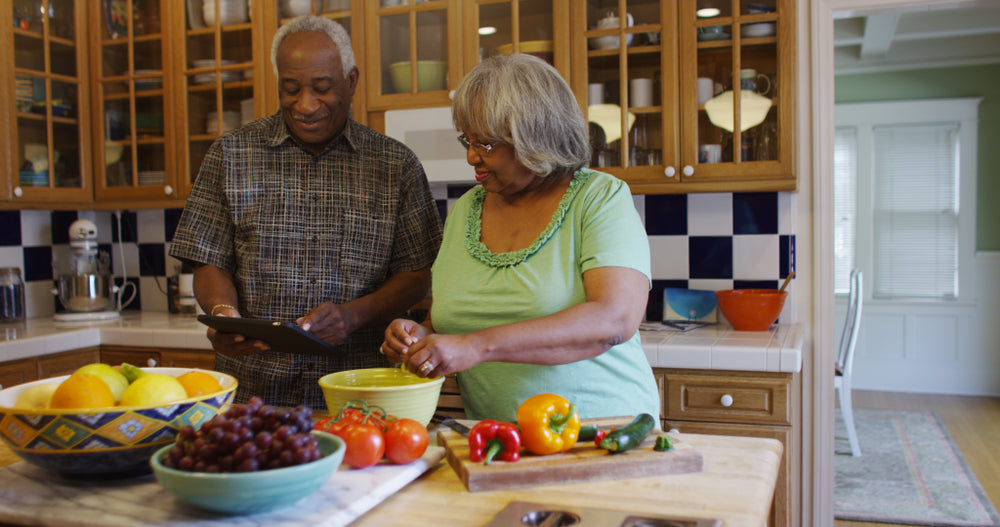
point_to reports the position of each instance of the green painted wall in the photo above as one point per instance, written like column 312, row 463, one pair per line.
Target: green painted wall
column 938, row 83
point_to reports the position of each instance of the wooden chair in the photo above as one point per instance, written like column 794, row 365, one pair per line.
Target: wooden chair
column 845, row 358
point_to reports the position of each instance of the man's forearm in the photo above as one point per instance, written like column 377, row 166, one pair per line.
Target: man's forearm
column 215, row 291
column 400, row 292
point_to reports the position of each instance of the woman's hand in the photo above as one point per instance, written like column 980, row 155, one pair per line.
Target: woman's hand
column 437, row 355
column 399, row 336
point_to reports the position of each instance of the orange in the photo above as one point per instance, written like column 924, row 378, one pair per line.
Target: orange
column 198, row 383
column 82, row 390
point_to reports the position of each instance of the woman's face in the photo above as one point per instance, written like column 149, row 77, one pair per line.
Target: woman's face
column 498, row 171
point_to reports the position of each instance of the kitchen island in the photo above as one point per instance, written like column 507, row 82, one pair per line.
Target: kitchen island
column 735, row 486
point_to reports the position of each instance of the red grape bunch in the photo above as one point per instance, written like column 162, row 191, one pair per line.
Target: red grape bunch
column 245, row 438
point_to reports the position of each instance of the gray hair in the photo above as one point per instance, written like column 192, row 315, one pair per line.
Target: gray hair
column 332, row 29
column 523, row 101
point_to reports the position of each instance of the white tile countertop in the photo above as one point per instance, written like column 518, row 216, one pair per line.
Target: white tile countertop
column 713, row 347
column 720, row 347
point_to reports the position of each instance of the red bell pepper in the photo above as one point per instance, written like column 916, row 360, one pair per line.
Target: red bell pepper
column 489, row 438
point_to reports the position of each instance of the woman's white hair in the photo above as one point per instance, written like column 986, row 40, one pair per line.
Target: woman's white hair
column 523, row 101
column 332, row 29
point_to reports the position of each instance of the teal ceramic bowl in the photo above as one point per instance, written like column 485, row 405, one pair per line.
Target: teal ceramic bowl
column 251, row 492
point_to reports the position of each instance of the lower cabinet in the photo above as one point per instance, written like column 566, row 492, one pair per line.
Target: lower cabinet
column 739, row 403
column 24, row 370
column 148, row 357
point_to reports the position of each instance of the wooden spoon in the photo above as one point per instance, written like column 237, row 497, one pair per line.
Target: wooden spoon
column 785, row 283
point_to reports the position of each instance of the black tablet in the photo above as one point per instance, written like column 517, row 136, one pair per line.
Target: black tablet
column 282, row 336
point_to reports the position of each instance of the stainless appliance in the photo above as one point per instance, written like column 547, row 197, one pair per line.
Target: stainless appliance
column 83, row 282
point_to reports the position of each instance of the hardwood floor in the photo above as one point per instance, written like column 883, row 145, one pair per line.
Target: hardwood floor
column 974, row 425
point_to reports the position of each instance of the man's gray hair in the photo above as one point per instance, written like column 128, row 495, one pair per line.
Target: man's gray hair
column 332, row 29
column 524, row 102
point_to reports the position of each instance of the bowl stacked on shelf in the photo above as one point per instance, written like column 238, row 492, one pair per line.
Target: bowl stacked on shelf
column 230, row 11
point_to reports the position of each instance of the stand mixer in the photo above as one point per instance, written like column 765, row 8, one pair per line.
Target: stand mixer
column 84, row 283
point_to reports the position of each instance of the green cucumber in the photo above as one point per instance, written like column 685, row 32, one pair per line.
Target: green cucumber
column 629, row 436
column 588, row 432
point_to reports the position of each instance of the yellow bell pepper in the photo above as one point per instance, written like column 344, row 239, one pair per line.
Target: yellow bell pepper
column 549, row 424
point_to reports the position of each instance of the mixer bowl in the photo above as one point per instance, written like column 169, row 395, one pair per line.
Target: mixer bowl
column 84, row 292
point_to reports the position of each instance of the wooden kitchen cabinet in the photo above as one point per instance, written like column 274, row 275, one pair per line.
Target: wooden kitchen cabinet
column 401, row 33
column 53, row 365
column 738, row 403
column 631, row 48
column 44, row 86
column 132, row 61
column 172, row 358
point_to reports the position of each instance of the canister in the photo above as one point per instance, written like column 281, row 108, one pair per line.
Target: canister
column 11, row 295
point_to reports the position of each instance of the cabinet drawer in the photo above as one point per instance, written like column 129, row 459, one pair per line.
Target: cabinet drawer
column 740, row 397
column 66, row 363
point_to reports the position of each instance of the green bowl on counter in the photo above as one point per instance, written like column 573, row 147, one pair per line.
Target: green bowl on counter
column 251, row 492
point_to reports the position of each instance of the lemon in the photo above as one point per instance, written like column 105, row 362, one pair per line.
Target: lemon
column 112, row 377
column 153, row 389
column 36, row 397
column 131, row 372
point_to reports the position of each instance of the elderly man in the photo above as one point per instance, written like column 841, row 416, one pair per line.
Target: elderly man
column 307, row 215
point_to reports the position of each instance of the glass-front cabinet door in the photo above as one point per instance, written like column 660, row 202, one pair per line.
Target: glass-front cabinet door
column 414, row 53
column 688, row 95
column 500, row 27
column 132, row 100
column 627, row 86
column 737, row 93
column 217, row 73
column 46, row 112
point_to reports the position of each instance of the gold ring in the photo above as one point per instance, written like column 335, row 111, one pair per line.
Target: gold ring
column 426, row 367
column 381, row 349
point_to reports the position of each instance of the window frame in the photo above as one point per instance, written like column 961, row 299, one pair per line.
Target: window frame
column 864, row 117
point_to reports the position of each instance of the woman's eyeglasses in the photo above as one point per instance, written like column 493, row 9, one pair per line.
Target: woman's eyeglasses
column 485, row 148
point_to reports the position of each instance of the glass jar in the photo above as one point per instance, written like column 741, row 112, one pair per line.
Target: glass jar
column 11, row 295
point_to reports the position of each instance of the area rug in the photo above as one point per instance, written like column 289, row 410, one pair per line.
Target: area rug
column 909, row 472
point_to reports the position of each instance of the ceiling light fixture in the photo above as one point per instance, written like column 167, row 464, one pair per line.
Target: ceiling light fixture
column 708, row 12
column 753, row 110
column 487, row 30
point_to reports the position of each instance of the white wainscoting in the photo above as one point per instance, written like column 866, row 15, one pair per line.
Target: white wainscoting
column 933, row 347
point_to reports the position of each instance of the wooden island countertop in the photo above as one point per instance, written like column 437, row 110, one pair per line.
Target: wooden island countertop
column 736, row 486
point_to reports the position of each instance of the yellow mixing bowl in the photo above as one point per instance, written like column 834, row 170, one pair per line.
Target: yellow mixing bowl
column 399, row 393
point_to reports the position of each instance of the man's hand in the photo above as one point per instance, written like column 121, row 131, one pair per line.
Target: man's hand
column 330, row 322
column 234, row 344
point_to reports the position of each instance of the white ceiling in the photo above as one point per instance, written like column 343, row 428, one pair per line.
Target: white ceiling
column 952, row 34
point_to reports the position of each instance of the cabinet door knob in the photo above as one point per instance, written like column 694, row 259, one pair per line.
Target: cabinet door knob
column 669, row 171
column 168, row 190
column 18, row 192
column 726, row 400
column 688, row 170
column 151, row 362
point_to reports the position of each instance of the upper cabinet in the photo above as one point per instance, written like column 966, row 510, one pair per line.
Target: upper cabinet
column 536, row 27
column 135, row 154
column 688, row 96
column 45, row 113
column 413, row 51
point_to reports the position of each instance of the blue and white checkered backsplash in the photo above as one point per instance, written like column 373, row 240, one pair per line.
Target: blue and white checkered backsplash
column 697, row 241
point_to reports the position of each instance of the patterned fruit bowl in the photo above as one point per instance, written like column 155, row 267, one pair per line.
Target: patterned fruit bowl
column 115, row 441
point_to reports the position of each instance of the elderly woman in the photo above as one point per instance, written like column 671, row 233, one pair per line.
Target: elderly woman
column 542, row 277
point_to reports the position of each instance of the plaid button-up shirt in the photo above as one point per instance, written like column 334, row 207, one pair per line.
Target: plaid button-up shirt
column 297, row 229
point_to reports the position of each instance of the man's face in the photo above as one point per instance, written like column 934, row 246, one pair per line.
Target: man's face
column 314, row 94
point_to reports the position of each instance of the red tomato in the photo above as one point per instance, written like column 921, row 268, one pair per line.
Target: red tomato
column 405, row 441
column 365, row 444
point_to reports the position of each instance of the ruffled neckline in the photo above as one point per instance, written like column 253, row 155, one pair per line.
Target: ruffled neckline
column 473, row 226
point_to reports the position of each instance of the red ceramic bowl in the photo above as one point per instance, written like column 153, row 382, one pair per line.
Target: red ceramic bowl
column 751, row 309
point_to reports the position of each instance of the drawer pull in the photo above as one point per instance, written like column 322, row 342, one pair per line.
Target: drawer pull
column 726, row 400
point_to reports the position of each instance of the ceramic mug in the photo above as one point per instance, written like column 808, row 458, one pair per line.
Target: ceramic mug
column 595, row 93
column 706, row 89
column 752, row 81
column 709, row 153
column 640, row 92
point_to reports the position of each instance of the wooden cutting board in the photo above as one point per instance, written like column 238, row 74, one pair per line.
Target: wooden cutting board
column 582, row 463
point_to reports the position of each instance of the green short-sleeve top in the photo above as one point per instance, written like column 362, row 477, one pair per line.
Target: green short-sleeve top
column 595, row 225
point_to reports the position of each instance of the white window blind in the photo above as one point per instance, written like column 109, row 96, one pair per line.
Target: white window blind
column 845, row 182
column 915, row 211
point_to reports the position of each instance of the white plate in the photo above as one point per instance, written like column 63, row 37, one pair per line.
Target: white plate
column 760, row 29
